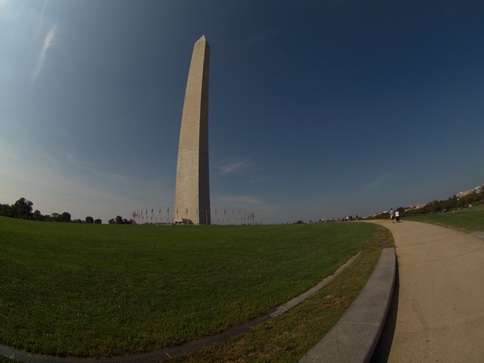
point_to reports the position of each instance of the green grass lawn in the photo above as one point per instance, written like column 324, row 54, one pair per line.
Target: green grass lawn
column 6, row 360
column 105, row 290
column 469, row 220
column 288, row 337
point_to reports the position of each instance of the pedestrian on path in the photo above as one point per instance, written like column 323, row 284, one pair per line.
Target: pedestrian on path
column 397, row 216
column 392, row 214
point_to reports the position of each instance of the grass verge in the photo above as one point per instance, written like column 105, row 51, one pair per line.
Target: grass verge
column 468, row 221
column 107, row 290
column 288, row 337
column 6, row 360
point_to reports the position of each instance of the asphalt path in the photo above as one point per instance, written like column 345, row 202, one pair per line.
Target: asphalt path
column 438, row 315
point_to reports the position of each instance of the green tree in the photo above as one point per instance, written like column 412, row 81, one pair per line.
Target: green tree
column 6, row 210
column 65, row 217
column 22, row 208
column 89, row 220
column 37, row 215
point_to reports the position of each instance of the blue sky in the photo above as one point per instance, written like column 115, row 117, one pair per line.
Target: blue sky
column 318, row 109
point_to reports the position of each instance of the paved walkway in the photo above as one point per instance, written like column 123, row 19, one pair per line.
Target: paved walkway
column 440, row 316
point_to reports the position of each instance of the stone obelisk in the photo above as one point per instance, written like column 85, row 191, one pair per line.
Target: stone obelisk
column 192, row 195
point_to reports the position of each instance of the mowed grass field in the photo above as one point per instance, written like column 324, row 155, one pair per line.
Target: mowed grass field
column 106, row 290
column 468, row 220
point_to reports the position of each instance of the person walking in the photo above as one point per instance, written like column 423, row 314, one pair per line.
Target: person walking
column 397, row 216
column 392, row 214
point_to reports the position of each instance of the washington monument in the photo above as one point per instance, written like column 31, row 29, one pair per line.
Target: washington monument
column 192, row 195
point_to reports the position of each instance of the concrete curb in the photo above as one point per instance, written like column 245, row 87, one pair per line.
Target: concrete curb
column 355, row 336
column 478, row 234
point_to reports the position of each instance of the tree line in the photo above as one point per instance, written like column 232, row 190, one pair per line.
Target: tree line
column 452, row 203
column 23, row 208
column 441, row 206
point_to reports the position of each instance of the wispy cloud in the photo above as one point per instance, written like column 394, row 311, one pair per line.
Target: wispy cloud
column 239, row 200
column 382, row 179
column 233, row 166
column 41, row 17
column 259, row 37
column 260, row 179
column 76, row 186
column 48, row 42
